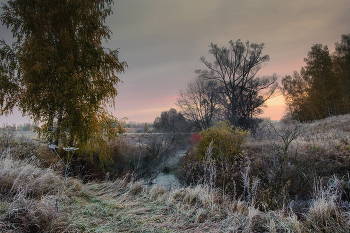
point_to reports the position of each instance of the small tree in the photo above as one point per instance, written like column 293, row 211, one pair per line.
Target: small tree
column 26, row 127
column 200, row 102
column 216, row 159
column 295, row 92
column 146, row 128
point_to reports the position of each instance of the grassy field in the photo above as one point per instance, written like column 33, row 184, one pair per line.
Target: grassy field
column 35, row 197
column 26, row 134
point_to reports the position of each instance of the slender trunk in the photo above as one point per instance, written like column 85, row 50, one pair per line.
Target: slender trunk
column 50, row 124
column 233, row 112
column 298, row 111
column 58, row 130
column 344, row 102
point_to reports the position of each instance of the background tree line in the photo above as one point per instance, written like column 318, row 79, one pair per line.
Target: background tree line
column 228, row 89
column 322, row 87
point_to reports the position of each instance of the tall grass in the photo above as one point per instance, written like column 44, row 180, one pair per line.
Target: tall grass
column 315, row 193
column 136, row 207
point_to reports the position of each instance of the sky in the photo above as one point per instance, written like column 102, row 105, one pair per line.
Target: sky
column 163, row 40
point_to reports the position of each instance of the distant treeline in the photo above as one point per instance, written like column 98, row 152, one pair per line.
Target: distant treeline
column 229, row 90
column 322, row 87
column 137, row 127
column 22, row 127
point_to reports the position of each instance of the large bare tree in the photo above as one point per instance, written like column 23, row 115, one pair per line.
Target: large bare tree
column 236, row 68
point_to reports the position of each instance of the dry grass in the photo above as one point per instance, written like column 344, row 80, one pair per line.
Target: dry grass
column 114, row 207
column 33, row 198
column 29, row 195
column 319, row 149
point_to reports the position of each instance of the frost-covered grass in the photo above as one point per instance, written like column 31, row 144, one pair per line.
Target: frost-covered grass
column 35, row 198
column 133, row 207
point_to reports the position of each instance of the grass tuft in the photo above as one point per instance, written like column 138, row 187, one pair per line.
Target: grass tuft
column 136, row 188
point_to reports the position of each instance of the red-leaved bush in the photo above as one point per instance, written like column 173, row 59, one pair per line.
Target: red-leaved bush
column 194, row 139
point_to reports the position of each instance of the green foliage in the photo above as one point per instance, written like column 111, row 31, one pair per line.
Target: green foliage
column 294, row 90
column 324, row 94
column 106, row 128
column 227, row 142
column 216, row 159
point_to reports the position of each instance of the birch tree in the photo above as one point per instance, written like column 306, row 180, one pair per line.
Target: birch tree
column 57, row 71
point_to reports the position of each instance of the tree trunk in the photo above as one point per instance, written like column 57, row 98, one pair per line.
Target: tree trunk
column 58, row 130
column 50, row 124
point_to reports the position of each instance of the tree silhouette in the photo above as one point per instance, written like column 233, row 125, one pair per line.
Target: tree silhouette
column 323, row 91
column 295, row 92
column 322, row 88
column 201, row 101
column 236, row 68
column 341, row 61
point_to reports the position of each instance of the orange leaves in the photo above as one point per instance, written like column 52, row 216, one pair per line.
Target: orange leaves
column 103, row 128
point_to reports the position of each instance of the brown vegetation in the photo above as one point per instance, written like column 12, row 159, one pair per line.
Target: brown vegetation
column 310, row 194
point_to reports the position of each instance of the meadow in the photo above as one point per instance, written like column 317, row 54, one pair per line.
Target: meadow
column 292, row 178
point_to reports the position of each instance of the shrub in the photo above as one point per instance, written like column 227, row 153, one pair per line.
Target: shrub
column 194, row 139
column 216, row 159
column 191, row 170
column 222, row 174
column 227, row 142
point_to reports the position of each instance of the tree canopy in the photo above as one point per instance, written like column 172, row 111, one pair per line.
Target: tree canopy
column 235, row 68
column 57, row 71
column 171, row 121
column 321, row 89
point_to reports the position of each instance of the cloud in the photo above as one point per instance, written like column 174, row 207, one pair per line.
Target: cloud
column 162, row 40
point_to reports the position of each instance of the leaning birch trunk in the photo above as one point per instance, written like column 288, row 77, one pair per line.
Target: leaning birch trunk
column 50, row 125
column 58, row 130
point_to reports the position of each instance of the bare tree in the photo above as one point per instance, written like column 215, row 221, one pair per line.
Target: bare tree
column 236, row 68
column 200, row 101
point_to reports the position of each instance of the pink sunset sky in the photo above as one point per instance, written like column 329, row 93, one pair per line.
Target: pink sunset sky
column 162, row 42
